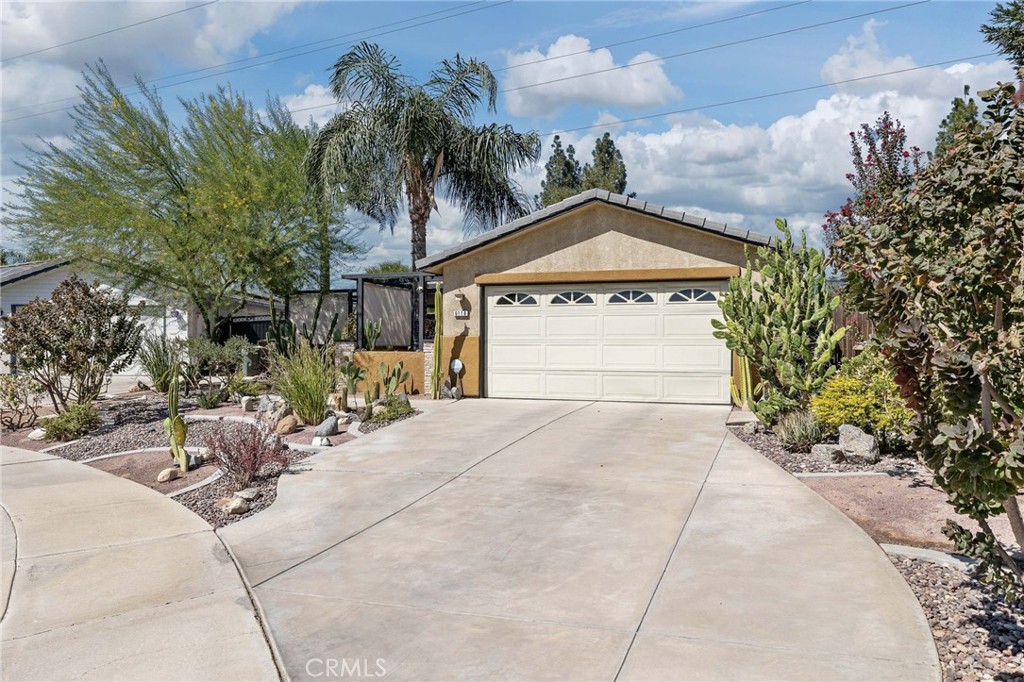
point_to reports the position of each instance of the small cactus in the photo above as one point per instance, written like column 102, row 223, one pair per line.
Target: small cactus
column 174, row 425
column 368, row 406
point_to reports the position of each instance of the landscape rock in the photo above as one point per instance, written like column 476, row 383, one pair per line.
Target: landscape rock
column 379, row 402
column 249, row 403
column 287, row 424
column 233, row 505
column 168, row 474
column 828, row 452
column 403, row 398
column 328, row 427
column 321, row 441
column 249, row 494
column 750, row 427
column 265, row 405
column 446, row 392
column 280, row 413
column 345, row 418
column 457, row 393
column 195, row 461
column 37, row 434
column 857, row 446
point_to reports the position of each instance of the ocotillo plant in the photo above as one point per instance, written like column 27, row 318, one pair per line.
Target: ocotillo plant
column 174, row 425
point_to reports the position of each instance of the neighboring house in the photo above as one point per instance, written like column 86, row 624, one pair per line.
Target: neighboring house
column 597, row 297
column 24, row 282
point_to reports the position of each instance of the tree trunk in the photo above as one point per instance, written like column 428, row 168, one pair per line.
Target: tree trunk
column 1016, row 522
column 419, row 214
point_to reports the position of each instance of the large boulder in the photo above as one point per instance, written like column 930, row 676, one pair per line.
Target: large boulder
column 287, row 424
column 233, row 505
column 858, row 447
column 280, row 413
column 328, row 427
column 827, row 453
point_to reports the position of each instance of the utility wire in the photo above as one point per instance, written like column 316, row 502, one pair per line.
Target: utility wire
column 717, row 47
column 108, row 32
column 486, row 6
column 778, row 93
column 651, row 36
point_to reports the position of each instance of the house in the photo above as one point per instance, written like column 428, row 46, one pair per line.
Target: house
column 597, row 297
column 24, row 282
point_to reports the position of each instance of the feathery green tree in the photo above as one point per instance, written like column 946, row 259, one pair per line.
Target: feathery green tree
column 962, row 119
column 1007, row 30
column 563, row 177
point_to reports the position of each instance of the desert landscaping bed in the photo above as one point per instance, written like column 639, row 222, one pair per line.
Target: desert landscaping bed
column 370, row 427
column 768, row 445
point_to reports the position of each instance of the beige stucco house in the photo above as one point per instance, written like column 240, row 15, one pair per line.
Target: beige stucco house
column 597, row 297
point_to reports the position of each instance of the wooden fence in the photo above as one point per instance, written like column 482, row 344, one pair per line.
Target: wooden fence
column 861, row 329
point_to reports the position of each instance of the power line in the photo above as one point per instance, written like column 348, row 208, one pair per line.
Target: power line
column 778, row 93
column 651, row 36
column 267, row 54
column 109, row 31
column 716, row 47
column 487, row 5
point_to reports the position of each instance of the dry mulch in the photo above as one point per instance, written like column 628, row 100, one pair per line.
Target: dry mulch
column 768, row 444
column 978, row 635
column 143, row 468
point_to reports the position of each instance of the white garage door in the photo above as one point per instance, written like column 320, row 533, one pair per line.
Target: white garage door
column 629, row 341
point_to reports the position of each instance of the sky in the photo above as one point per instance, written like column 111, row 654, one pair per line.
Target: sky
column 689, row 90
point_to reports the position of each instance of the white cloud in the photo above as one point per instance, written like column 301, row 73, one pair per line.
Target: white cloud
column 644, row 85
column 314, row 95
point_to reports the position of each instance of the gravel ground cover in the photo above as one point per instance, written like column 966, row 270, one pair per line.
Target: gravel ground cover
column 978, row 635
column 203, row 501
column 129, row 436
column 768, row 445
column 370, row 427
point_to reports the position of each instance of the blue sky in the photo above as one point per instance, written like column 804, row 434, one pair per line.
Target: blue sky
column 745, row 164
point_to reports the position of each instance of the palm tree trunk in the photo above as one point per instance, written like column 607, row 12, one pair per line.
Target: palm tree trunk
column 419, row 214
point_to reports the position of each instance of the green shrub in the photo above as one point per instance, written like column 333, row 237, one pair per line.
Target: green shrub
column 157, row 356
column 798, row 430
column 864, row 393
column 209, row 399
column 19, row 400
column 238, row 386
column 392, row 409
column 74, row 422
column 305, row 378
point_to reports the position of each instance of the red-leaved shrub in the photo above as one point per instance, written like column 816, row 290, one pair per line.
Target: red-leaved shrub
column 243, row 450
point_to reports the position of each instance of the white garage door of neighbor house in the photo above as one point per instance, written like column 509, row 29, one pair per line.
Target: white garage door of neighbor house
column 628, row 341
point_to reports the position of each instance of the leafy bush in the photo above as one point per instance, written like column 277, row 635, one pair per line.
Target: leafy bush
column 70, row 342
column 74, row 422
column 305, row 378
column 157, row 356
column 210, row 398
column 19, row 400
column 238, row 386
column 392, row 409
column 782, row 323
column 864, row 393
column 243, row 450
column 798, row 430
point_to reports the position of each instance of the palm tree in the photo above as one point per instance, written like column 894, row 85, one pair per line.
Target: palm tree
column 402, row 142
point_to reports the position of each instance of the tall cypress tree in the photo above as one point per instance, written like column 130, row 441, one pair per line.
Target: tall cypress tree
column 608, row 170
column 563, row 177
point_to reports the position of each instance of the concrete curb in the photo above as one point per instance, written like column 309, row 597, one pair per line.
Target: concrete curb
column 215, row 476
column 838, row 474
column 934, row 556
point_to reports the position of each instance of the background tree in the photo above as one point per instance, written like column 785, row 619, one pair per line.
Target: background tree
column 70, row 342
column 882, row 164
column 399, row 141
column 208, row 211
column 939, row 272
column 1007, row 30
column 961, row 119
column 563, row 176
column 607, row 170
column 388, row 266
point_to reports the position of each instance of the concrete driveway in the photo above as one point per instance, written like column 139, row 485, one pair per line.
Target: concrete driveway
column 495, row 539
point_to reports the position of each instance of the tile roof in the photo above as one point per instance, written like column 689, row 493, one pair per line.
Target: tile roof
column 590, row 196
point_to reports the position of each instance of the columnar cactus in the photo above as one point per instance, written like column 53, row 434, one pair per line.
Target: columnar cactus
column 174, row 425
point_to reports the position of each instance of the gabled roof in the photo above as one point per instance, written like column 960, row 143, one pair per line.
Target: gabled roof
column 590, row 197
column 9, row 274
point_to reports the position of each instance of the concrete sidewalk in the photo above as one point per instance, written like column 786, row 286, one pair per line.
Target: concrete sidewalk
column 113, row 581
column 568, row 540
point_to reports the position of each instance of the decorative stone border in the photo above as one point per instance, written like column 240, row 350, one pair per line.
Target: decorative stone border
column 195, row 486
column 934, row 556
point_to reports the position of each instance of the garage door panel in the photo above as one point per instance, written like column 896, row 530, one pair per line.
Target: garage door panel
column 572, row 326
column 696, row 357
column 661, row 351
column 516, row 355
column 560, row 385
column 505, row 326
column 637, row 326
column 516, row 384
column 633, row 356
column 696, row 388
column 571, row 355
column 629, row 386
column 689, row 325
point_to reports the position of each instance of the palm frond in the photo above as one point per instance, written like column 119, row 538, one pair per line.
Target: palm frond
column 459, row 85
column 368, row 74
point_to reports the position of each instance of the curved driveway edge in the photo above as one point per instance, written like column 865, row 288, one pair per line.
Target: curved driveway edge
column 504, row 539
column 114, row 581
